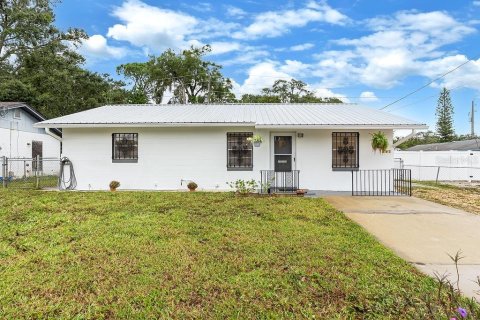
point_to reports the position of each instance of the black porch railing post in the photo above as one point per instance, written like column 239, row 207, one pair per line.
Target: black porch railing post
column 279, row 181
column 352, row 182
column 382, row 182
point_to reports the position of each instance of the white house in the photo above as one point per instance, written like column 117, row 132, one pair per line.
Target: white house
column 20, row 139
column 163, row 146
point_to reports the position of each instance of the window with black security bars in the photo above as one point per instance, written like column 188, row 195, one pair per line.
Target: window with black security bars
column 239, row 151
column 345, row 150
column 125, row 147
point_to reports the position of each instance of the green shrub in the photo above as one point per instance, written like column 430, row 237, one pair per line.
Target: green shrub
column 379, row 141
column 244, row 186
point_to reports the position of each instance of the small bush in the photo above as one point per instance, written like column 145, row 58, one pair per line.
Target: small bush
column 192, row 185
column 114, row 185
column 244, row 186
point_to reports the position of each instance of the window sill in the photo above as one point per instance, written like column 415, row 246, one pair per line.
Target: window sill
column 125, row 161
column 239, row 169
column 345, row 169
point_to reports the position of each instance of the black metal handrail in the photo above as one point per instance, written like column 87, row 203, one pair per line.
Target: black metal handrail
column 382, row 182
column 277, row 181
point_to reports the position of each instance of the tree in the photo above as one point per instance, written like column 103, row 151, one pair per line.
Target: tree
column 143, row 87
column 282, row 91
column 259, row 98
column 54, row 83
column 187, row 75
column 420, row 138
column 444, row 113
column 39, row 66
column 27, row 25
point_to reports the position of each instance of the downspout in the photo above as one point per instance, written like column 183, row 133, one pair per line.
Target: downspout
column 53, row 135
column 407, row 137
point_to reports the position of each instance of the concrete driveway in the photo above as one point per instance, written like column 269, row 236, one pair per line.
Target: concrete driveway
column 422, row 232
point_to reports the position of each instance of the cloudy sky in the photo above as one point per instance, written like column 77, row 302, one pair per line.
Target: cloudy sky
column 366, row 51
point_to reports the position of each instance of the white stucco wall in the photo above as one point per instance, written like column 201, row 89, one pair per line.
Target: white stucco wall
column 18, row 144
column 168, row 155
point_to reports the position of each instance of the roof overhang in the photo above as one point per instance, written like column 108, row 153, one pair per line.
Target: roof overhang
column 235, row 124
column 346, row 126
column 142, row 125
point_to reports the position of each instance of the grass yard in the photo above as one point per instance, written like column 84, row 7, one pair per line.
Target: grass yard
column 467, row 199
column 150, row 255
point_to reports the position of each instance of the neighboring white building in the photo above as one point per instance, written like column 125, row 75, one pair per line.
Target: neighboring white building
column 20, row 139
column 162, row 146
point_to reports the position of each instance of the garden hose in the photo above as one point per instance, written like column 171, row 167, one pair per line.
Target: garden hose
column 71, row 182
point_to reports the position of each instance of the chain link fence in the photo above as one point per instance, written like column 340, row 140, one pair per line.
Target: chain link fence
column 30, row 173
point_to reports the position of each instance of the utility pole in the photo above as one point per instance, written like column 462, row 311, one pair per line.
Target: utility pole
column 472, row 120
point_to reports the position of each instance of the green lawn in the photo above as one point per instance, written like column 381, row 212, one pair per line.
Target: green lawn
column 140, row 255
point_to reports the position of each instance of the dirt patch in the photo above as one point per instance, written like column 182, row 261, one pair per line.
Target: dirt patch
column 457, row 196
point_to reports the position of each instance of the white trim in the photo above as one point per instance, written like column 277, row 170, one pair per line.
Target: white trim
column 142, row 125
column 344, row 126
column 53, row 135
column 402, row 140
column 230, row 124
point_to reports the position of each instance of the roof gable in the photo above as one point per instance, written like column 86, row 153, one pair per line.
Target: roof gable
column 29, row 110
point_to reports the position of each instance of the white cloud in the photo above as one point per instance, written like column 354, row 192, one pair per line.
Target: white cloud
column 157, row 29
column 264, row 74
column 260, row 76
column 327, row 93
column 235, row 12
column 248, row 56
column 476, row 3
column 295, row 68
column 468, row 76
column 224, row 47
column 153, row 27
column 368, row 96
column 302, row 47
column 96, row 47
column 398, row 47
column 199, row 6
column 275, row 23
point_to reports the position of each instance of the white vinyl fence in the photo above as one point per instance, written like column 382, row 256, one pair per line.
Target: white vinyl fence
column 440, row 165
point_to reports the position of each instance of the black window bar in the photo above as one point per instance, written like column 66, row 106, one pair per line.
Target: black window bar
column 125, row 147
column 345, row 150
column 239, row 151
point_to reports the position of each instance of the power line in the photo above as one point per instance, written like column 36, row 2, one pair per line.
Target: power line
column 413, row 103
column 426, row 85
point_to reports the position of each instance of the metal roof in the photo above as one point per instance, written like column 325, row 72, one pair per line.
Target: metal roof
column 258, row 115
column 465, row 145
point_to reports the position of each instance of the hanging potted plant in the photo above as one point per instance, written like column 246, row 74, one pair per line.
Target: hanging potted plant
column 256, row 139
column 379, row 142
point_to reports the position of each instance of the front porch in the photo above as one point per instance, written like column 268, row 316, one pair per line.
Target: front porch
column 371, row 182
column 272, row 181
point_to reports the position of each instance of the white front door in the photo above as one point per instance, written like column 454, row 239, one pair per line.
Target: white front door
column 283, row 152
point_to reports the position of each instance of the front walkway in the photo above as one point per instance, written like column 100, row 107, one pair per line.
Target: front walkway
column 422, row 232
